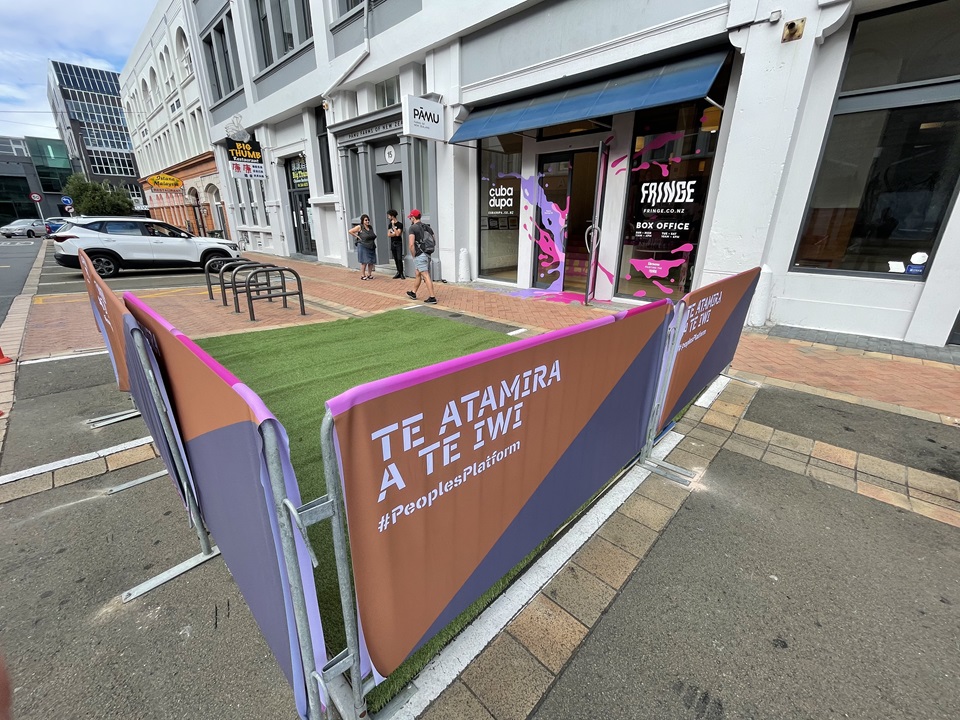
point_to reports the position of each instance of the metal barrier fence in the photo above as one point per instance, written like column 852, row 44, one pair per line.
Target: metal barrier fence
column 299, row 647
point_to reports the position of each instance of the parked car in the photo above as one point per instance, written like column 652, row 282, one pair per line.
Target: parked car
column 24, row 228
column 55, row 223
column 121, row 243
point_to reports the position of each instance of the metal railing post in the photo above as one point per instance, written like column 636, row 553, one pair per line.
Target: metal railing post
column 344, row 574
column 271, row 446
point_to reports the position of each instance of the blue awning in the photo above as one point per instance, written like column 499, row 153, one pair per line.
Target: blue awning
column 679, row 82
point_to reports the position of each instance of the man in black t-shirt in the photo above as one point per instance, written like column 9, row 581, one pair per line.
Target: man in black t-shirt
column 395, row 233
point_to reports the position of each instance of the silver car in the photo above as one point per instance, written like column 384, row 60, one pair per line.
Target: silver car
column 24, row 228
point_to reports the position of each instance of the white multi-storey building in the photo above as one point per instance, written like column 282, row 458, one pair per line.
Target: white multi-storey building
column 168, row 124
column 652, row 146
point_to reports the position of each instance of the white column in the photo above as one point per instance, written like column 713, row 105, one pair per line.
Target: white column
column 773, row 94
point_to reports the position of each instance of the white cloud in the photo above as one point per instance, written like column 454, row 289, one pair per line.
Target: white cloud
column 96, row 33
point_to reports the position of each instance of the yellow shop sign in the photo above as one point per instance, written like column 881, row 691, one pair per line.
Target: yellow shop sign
column 164, row 183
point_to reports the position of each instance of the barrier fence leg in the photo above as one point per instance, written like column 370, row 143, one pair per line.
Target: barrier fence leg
column 671, row 350
column 206, row 550
column 134, row 483
column 112, row 418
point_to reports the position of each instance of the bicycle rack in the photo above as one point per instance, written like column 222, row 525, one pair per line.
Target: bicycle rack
column 270, row 290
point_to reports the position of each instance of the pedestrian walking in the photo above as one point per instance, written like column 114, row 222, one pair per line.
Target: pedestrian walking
column 365, row 240
column 395, row 233
column 421, row 242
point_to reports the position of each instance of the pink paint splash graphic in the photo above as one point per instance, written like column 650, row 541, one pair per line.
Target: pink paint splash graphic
column 657, row 142
column 686, row 247
column 663, row 288
column 564, row 297
column 605, row 272
column 655, row 268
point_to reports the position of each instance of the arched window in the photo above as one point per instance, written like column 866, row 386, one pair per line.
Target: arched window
column 183, row 53
column 154, row 87
column 147, row 97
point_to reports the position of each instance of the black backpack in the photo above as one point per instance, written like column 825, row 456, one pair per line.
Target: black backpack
column 428, row 242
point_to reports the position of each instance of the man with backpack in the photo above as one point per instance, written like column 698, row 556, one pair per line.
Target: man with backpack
column 422, row 243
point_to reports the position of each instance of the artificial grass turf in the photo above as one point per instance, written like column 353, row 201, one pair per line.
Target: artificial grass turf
column 296, row 370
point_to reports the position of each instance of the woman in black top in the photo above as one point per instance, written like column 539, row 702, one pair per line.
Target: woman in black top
column 365, row 240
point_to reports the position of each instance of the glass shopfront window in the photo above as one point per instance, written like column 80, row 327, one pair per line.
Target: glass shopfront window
column 500, row 204
column 886, row 181
column 670, row 169
column 891, row 161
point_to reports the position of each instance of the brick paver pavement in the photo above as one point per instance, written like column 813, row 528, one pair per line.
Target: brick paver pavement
column 921, row 384
column 61, row 324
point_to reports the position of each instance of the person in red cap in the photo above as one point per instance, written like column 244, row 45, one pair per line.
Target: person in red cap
column 421, row 259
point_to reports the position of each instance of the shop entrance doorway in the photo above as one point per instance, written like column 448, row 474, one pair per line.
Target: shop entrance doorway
column 300, row 208
column 393, row 189
column 565, row 216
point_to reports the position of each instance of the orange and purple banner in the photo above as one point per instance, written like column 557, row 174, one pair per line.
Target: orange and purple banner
column 219, row 420
column 452, row 474
column 710, row 330
column 108, row 311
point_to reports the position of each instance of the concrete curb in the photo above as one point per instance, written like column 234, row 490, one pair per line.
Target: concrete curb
column 80, row 467
column 11, row 336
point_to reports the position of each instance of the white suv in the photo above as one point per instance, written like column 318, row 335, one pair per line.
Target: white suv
column 115, row 243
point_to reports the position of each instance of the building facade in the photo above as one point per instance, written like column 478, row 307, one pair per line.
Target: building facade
column 86, row 107
column 161, row 100
column 659, row 147
column 32, row 165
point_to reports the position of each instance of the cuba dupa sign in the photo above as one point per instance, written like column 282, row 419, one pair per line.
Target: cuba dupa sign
column 422, row 118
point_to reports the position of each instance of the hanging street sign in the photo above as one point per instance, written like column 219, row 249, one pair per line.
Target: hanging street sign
column 422, row 118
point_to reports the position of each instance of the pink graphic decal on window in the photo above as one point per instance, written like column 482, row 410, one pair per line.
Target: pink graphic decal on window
column 548, row 233
column 686, row 247
column 663, row 288
column 655, row 268
column 656, row 143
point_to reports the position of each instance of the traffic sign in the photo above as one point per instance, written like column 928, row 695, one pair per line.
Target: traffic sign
column 66, row 200
column 68, row 208
column 36, row 197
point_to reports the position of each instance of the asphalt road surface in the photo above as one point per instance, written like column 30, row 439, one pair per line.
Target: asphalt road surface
column 16, row 258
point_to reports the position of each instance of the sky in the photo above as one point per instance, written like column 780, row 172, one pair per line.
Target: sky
column 96, row 33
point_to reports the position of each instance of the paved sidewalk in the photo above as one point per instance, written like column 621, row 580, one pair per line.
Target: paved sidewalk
column 63, row 323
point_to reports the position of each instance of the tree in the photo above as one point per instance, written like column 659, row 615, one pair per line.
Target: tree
column 90, row 198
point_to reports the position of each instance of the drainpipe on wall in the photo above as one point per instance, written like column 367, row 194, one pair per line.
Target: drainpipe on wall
column 328, row 102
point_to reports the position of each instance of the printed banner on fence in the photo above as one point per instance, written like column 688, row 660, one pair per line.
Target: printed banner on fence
column 108, row 312
column 219, row 419
column 710, row 331
column 452, row 474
